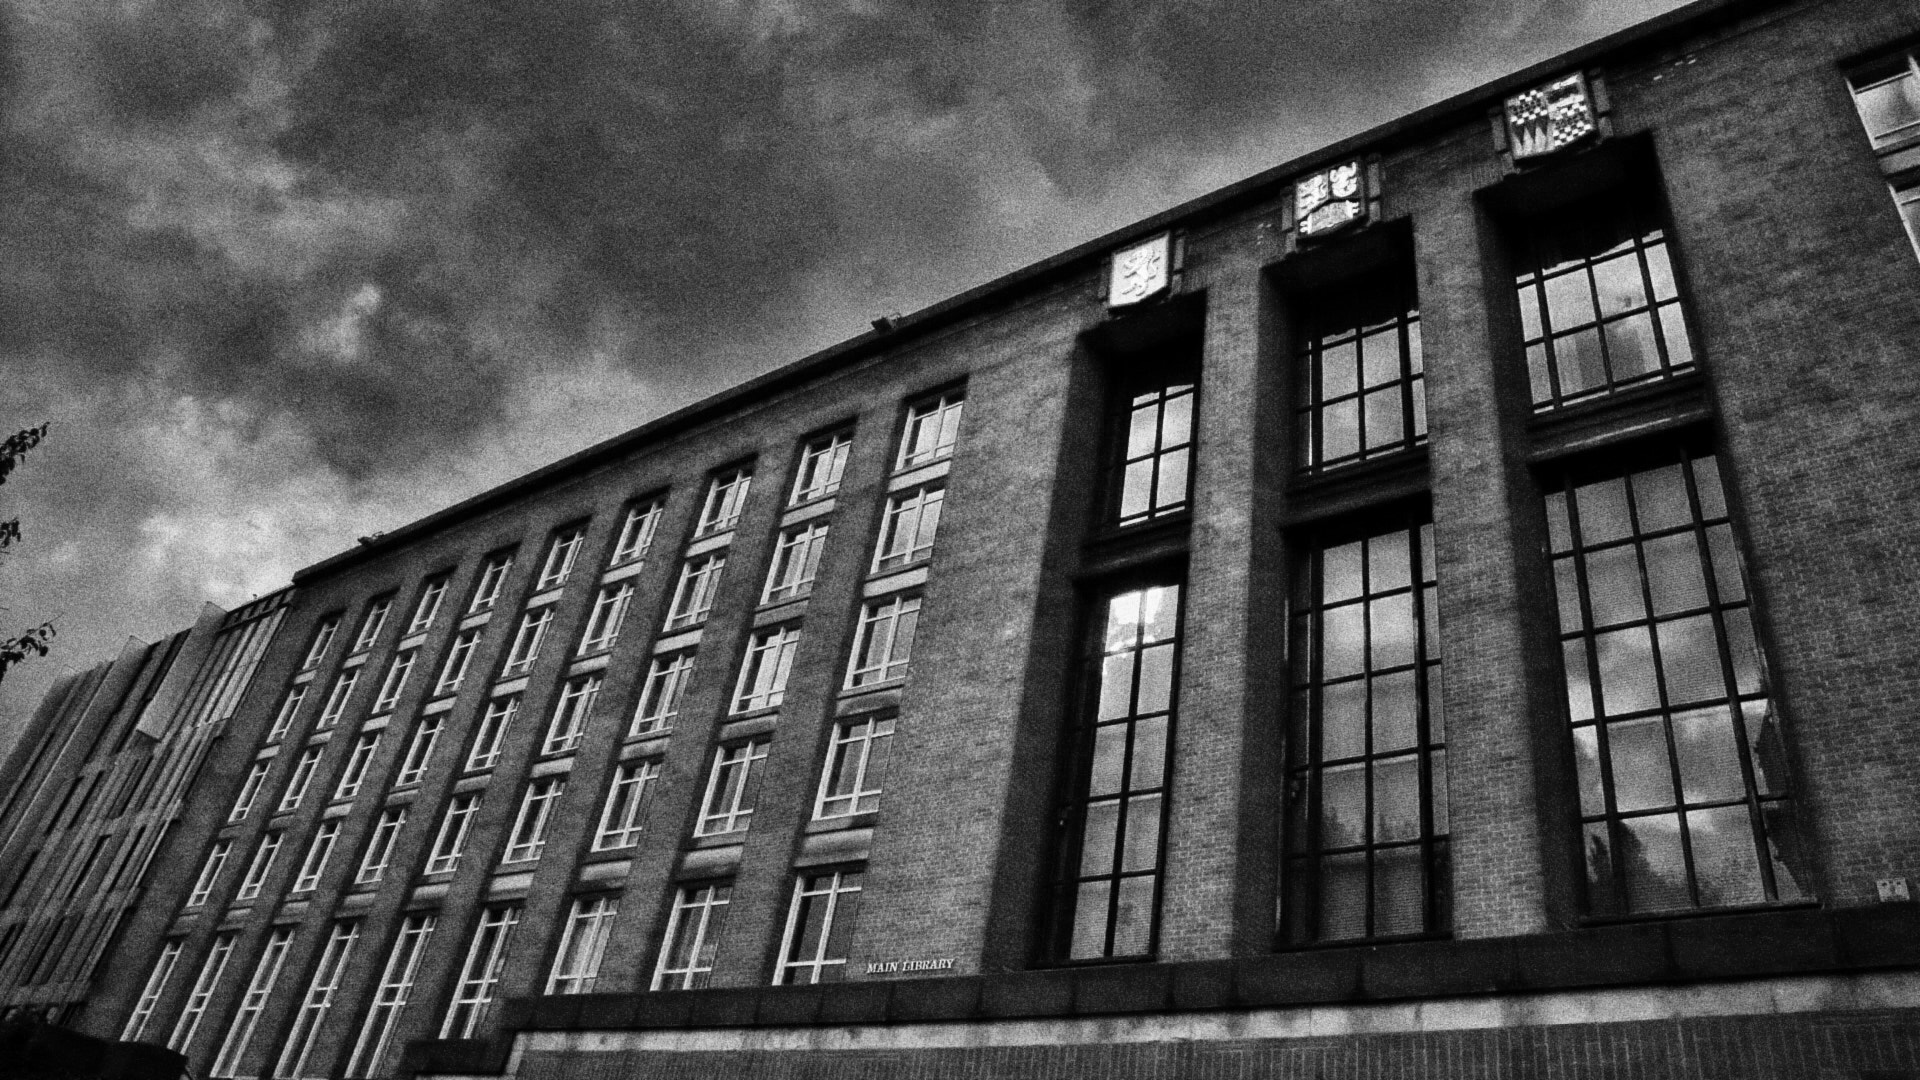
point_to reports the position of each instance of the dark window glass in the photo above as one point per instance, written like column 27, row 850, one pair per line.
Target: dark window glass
column 1363, row 390
column 1153, row 453
column 1678, row 746
column 1367, row 779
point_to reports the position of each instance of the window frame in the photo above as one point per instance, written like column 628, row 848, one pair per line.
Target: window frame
column 487, row 586
column 304, row 1031
column 249, row 791
column 833, row 448
column 450, row 840
column 380, row 844
column 835, row 891
column 528, row 636
column 289, row 707
column 374, row 621
column 212, row 967
column 1343, row 319
column 789, row 577
column 314, row 863
column 638, row 527
column 563, row 552
column 322, row 640
column 712, row 900
column 353, row 774
column 861, row 799
column 300, row 779
column 264, row 856
column 253, row 1002
column 420, row 748
column 948, row 408
column 668, row 673
column 481, row 971
column 735, row 799
column 725, row 501
column 391, row 996
column 765, row 667
column 394, row 682
column 580, row 952
column 216, row 861
column 533, row 824
column 459, row 661
column 433, row 593
column 491, row 732
column 868, row 666
column 630, row 795
column 572, row 713
column 889, row 552
column 694, row 591
column 605, row 619
column 344, row 685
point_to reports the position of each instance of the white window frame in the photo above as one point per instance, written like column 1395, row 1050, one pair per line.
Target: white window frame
column 527, row 638
column 909, row 527
column 426, row 737
column 878, row 659
column 246, row 1020
column 733, row 786
column 494, row 723
column 660, row 696
column 765, row 668
column 319, row 850
column 693, row 594
column 373, row 863
column 562, row 552
column 699, row 909
column 301, row 779
column 395, row 681
column 289, row 705
column 795, row 563
column 459, row 659
column 150, row 993
column 486, row 591
column 583, row 944
column 322, row 638
column 427, row 607
column 572, row 712
column 852, row 747
column 336, row 706
column 390, row 997
column 534, row 821
column 260, row 867
column 374, row 621
column 726, row 498
column 608, row 615
column 823, row 461
column 318, row 1001
column 455, row 826
column 1881, row 141
column 355, row 772
column 835, row 888
column 209, row 872
column 1905, row 196
column 480, row 974
column 629, row 797
column 211, row 969
column 249, row 791
column 931, row 431
column 637, row 531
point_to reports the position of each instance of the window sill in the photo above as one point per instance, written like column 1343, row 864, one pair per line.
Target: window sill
column 863, row 820
column 730, row 838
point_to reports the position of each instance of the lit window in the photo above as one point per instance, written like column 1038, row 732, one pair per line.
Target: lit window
column 529, row 836
column 318, row 852
column 428, row 605
column 883, row 643
column 660, row 697
column 487, row 590
column 1106, row 899
column 162, row 973
column 459, row 657
column 636, row 532
column 821, row 464
column 249, row 791
column 796, row 559
column 572, row 714
column 303, row 771
column 931, row 430
column 395, row 681
column 337, row 700
column 380, row 846
column 209, row 872
column 609, row 611
column 526, row 642
column 289, row 705
column 732, row 787
column 261, row 866
column 1888, row 96
column 1599, row 304
column 693, row 937
column 419, row 751
column 693, row 596
column 856, row 766
column 247, row 1019
column 726, row 497
column 1152, row 455
column 298, row 1044
column 627, row 800
column 561, row 555
column 357, row 762
column 452, row 838
column 371, row 625
column 322, row 637
column 480, row 975
column 1367, row 822
column 1679, row 748
column 215, row 965
column 582, row 943
column 1362, row 379
column 390, row 998
column 493, row 732
column 764, row 670
column 908, row 528
column 819, row 928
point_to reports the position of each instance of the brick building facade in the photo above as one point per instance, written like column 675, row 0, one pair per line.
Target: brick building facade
column 1434, row 608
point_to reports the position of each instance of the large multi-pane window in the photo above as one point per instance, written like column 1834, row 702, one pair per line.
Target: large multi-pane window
column 337, row 700
column 529, row 836
column 486, row 591
column 571, row 714
column 246, row 1020
column 732, row 788
column 819, row 933
column 582, row 944
column 379, row 851
column 796, row 559
column 561, row 555
column 883, row 642
column 660, row 696
column 526, row 641
column 856, row 767
column 908, row 527
column 428, row 606
column 209, row 872
column 1677, row 741
column 1362, row 390
column 1150, row 463
column 355, row 773
column 932, row 428
column 390, row 998
column 395, row 681
column 318, row 852
column 822, row 462
column 371, row 625
column 493, row 731
column 297, row 1045
column 603, row 624
column 1599, row 302
column 636, row 531
column 764, row 669
column 454, row 830
column 260, row 867
column 459, row 658
column 628, row 798
column 693, row 936
column 322, row 637
column 1107, row 893
column 480, row 975
column 426, row 736
column 249, row 791
column 289, row 705
column 726, row 498
column 1367, row 773
column 157, row 980
column 693, row 594
column 211, row 970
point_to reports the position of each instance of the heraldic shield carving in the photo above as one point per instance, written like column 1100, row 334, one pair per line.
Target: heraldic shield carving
column 1550, row 118
column 1329, row 200
column 1141, row 272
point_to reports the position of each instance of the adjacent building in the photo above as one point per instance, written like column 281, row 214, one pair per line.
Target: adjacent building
column 1442, row 606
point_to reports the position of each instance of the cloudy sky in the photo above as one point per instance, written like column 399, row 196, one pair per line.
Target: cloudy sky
column 282, row 273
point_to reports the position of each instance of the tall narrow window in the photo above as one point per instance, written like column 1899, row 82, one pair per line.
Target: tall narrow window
column 261, row 866
column 1681, row 760
column 636, row 531
column 907, row 531
column 529, row 836
column 693, row 936
column 322, row 637
column 627, row 801
column 660, row 697
column 390, row 998
column 1107, row 900
column 420, row 751
column 249, row 791
column 796, row 559
column 303, row 771
column 693, row 595
column 396, row 680
column 355, row 773
column 215, row 965
column 764, row 670
column 247, row 1019
column 337, row 699
column 1599, row 303
column 932, row 429
column 819, row 933
column 582, row 943
column 609, row 611
column 1367, row 782
column 486, row 591
column 856, row 766
column 428, row 605
column 318, row 852
column 822, row 462
column 1362, row 390
column 732, row 788
column 493, row 732
column 726, row 497
column 526, row 642
column 289, row 705
column 459, row 658
column 157, row 980
column 883, row 642
column 480, row 975
column 297, row 1045
column 209, row 872
column 561, row 555
column 1152, row 449
column 380, row 846
column 571, row 714
column 454, row 829
column 374, row 621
